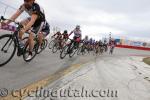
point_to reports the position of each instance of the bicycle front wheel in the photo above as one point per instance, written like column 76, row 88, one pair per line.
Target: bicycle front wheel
column 7, row 49
column 51, row 44
column 64, row 52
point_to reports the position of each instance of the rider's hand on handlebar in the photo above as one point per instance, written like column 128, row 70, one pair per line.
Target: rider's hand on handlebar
column 3, row 24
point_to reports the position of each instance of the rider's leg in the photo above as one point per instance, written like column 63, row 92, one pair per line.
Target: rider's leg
column 31, row 42
column 40, row 34
column 40, row 38
column 24, row 23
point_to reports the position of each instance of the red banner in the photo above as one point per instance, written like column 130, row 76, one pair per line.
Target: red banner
column 134, row 47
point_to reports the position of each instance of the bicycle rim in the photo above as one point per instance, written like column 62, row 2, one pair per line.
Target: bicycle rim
column 6, row 45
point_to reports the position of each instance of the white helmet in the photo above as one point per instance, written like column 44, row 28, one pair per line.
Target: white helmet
column 78, row 26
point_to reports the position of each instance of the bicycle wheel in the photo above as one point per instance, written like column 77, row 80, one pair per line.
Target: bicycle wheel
column 83, row 50
column 45, row 43
column 64, row 52
column 42, row 47
column 72, row 51
column 7, row 49
column 79, row 51
column 20, row 51
column 26, row 52
column 55, row 47
column 51, row 44
column 111, row 50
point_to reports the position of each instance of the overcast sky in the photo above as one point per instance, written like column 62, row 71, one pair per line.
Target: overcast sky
column 123, row 18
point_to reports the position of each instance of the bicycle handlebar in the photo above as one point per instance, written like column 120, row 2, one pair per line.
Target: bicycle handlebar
column 3, row 19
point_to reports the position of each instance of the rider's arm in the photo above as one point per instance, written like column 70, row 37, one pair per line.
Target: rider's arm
column 81, row 36
column 71, row 32
column 32, row 21
column 34, row 16
column 14, row 16
column 55, row 34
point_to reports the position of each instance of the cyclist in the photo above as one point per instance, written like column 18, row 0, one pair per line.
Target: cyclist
column 105, row 44
column 90, row 44
column 44, row 32
column 35, row 22
column 86, row 40
column 112, row 44
column 65, row 35
column 100, row 43
column 93, row 44
column 77, row 36
column 58, row 38
column 57, row 35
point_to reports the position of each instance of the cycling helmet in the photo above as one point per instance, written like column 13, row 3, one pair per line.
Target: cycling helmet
column 86, row 37
column 78, row 27
column 65, row 31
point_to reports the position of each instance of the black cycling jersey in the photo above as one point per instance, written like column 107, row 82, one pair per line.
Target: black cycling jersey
column 46, row 28
column 35, row 9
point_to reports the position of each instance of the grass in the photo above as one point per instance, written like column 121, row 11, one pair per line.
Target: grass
column 147, row 60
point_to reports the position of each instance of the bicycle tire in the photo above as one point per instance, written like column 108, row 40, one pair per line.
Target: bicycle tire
column 65, row 51
column 14, row 50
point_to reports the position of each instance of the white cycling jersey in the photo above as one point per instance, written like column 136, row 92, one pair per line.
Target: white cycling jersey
column 77, row 33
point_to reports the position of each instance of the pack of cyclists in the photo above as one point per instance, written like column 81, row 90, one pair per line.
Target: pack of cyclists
column 37, row 25
column 90, row 44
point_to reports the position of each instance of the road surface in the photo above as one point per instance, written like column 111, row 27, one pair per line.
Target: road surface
column 17, row 74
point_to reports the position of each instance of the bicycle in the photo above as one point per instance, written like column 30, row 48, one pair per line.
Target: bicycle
column 70, row 48
column 58, row 45
column 11, row 43
column 111, row 49
column 82, row 49
column 51, row 43
column 43, row 46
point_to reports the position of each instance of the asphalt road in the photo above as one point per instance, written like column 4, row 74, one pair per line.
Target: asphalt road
column 122, row 76
column 17, row 74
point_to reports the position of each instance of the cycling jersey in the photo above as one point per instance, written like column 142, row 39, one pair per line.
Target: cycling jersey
column 86, row 41
column 100, row 43
column 58, row 35
column 90, row 41
column 65, row 36
column 46, row 29
column 35, row 9
column 77, row 33
column 112, row 43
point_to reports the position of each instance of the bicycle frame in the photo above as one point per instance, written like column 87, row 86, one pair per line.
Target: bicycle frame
column 13, row 38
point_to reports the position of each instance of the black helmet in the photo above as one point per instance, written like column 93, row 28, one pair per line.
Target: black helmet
column 65, row 31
